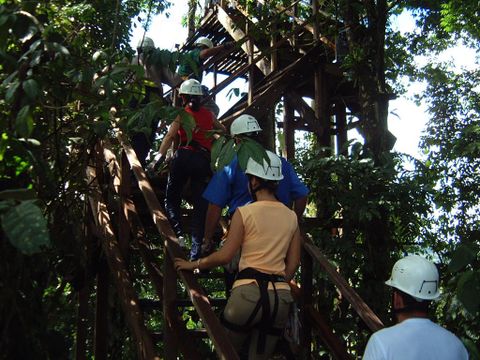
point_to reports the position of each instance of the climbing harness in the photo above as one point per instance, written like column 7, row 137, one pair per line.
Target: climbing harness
column 265, row 326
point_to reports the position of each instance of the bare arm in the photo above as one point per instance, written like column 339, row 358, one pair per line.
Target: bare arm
column 212, row 218
column 206, row 53
column 170, row 136
column 224, row 254
column 299, row 207
column 218, row 125
column 293, row 256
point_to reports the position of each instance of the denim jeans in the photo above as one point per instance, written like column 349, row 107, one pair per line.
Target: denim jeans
column 194, row 165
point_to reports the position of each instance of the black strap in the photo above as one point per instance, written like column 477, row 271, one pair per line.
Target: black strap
column 265, row 326
column 194, row 144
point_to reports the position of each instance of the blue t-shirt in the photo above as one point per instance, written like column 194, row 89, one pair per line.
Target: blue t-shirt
column 229, row 187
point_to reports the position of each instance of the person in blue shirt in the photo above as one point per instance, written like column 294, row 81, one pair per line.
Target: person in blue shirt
column 229, row 187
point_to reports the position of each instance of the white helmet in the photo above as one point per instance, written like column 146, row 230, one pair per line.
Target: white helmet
column 415, row 276
column 145, row 42
column 244, row 124
column 204, row 41
column 191, row 87
column 268, row 172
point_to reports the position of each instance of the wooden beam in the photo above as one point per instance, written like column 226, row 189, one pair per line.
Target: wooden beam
column 239, row 35
column 169, row 297
column 121, row 277
column 216, row 331
column 310, row 28
column 332, row 341
column 288, row 128
column 101, row 313
column 362, row 309
column 306, row 302
column 264, row 101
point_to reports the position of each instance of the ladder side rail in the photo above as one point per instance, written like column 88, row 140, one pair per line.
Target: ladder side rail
column 361, row 308
column 217, row 333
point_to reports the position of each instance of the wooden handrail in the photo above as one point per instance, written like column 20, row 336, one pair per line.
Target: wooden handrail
column 222, row 344
column 116, row 263
column 363, row 310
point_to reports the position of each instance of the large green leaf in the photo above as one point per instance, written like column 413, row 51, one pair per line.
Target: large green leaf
column 468, row 291
column 216, row 150
column 463, row 255
column 226, row 154
column 251, row 149
column 26, row 227
column 30, row 87
column 24, row 122
column 188, row 124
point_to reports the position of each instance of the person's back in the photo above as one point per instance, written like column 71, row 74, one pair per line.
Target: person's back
column 415, row 284
column 412, row 339
column 269, row 227
column 228, row 187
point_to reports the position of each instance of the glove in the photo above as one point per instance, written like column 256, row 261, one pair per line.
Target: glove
column 229, row 45
column 206, row 248
column 155, row 164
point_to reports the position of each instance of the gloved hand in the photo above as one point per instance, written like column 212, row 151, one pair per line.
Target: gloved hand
column 155, row 164
column 207, row 247
column 229, row 45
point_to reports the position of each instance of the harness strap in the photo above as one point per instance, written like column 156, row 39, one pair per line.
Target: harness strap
column 265, row 326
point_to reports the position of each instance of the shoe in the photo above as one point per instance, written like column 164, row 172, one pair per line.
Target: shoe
column 181, row 242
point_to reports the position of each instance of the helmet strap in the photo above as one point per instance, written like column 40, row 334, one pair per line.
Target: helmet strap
column 253, row 190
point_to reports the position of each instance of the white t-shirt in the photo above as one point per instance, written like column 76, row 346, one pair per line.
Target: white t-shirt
column 412, row 339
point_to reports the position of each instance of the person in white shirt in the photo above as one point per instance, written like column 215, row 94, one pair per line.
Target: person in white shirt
column 415, row 284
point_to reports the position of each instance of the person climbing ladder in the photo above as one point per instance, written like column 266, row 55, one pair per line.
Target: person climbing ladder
column 268, row 233
column 191, row 161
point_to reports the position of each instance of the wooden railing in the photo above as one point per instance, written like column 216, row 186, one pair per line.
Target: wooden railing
column 164, row 283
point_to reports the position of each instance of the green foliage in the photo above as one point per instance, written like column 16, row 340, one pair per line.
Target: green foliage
column 25, row 226
column 59, row 94
column 224, row 150
column 359, row 194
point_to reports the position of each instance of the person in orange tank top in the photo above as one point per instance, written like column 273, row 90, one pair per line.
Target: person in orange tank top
column 268, row 234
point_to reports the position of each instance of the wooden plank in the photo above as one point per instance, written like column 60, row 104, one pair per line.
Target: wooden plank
column 288, row 128
column 246, row 67
column 217, row 333
column 127, row 296
column 263, row 102
column 170, row 342
column 239, row 35
column 362, row 309
column 306, row 113
column 101, row 313
column 334, row 344
column 305, row 303
column 309, row 27
column 149, row 259
column 341, row 127
column 82, row 324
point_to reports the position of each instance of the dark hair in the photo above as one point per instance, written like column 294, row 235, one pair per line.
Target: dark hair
column 270, row 185
column 192, row 101
column 411, row 304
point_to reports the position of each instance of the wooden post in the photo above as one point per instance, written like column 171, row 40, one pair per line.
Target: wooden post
column 251, row 73
column 273, row 41
column 101, row 312
column 341, row 125
column 306, row 303
column 124, row 190
column 82, row 322
column 288, row 128
column 169, row 297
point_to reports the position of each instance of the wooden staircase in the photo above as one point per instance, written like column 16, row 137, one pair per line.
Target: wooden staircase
column 137, row 241
column 120, row 230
